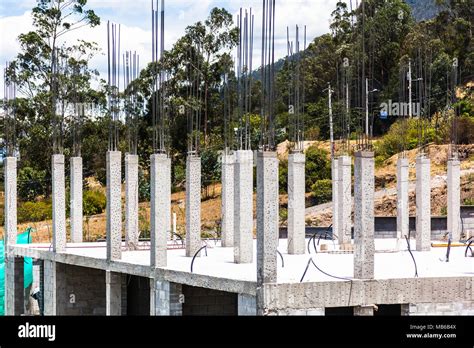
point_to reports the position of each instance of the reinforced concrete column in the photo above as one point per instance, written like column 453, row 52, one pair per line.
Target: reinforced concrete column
column 193, row 205
column 113, row 293
column 59, row 204
column 243, row 207
column 49, row 287
column 335, row 196
column 403, row 212
column 364, row 242
column 76, row 200
column 10, row 233
column 131, row 202
column 114, row 205
column 14, row 288
column 160, row 208
column 10, row 210
column 227, row 207
column 454, row 198
column 345, row 200
column 296, row 204
column 423, row 204
column 166, row 298
column 267, row 223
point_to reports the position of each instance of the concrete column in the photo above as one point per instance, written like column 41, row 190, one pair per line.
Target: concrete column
column 296, row 204
column 227, row 211
column 10, row 210
column 114, row 205
column 454, row 198
column 14, row 286
column 335, row 196
column 345, row 200
column 76, row 200
column 160, row 208
column 243, row 207
column 423, row 204
column 113, row 293
column 131, row 202
column 59, row 204
column 49, row 286
column 166, row 298
column 403, row 211
column 363, row 311
column 267, row 222
column 193, row 205
column 246, row 305
column 364, row 186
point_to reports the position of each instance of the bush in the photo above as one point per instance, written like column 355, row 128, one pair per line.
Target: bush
column 318, row 166
column 401, row 135
column 322, row 191
column 35, row 211
column 31, row 183
column 94, row 202
column 144, row 194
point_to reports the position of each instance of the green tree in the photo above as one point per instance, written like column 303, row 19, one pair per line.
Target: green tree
column 51, row 68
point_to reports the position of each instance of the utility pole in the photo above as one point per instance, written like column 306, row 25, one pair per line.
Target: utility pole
column 331, row 127
column 367, row 107
column 348, row 119
column 410, row 106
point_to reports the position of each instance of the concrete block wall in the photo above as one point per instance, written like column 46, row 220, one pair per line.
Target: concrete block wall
column 79, row 290
column 166, row 298
column 207, row 302
column 448, row 308
column 14, row 287
column 247, row 305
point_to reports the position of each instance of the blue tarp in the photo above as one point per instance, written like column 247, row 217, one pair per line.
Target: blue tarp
column 24, row 238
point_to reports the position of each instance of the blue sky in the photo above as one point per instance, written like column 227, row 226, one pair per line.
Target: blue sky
column 134, row 17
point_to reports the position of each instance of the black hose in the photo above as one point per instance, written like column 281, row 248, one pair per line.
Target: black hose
column 195, row 255
column 469, row 247
column 448, row 249
column 177, row 235
column 309, row 242
column 409, row 250
column 310, row 261
column 282, row 260
column 325, row 235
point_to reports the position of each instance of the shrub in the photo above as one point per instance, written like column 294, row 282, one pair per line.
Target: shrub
column 144, row 194
column 403, row 133
column 35, row 211
column 31, row 183
column 283, row 176
column 322, row 191
column 318, row 166
column 94, row 202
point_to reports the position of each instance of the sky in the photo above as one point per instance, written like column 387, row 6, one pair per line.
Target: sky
column 134, row 16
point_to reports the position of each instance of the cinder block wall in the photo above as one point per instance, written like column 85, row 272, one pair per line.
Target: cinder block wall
column 86, row 284
column 200, row 301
